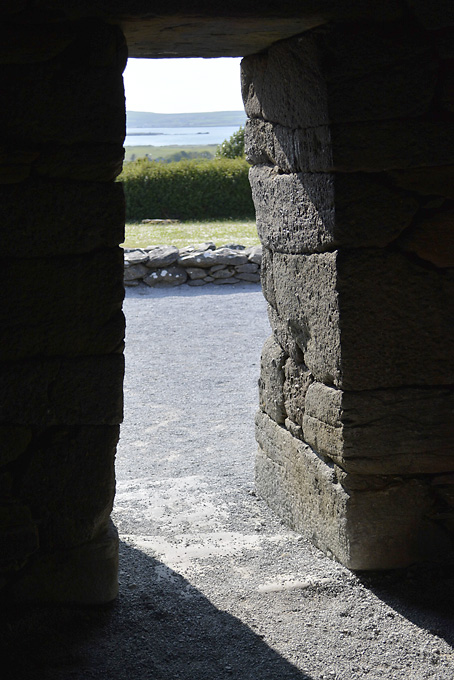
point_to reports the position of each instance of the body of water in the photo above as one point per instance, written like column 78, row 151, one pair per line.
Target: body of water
column 179, row 136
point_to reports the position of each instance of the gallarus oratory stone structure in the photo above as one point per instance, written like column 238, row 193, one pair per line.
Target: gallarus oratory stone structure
column 351, row 141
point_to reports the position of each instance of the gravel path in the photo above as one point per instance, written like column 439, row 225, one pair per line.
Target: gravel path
column 212, row 585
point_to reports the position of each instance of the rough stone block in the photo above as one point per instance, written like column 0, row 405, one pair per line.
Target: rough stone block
column 305, row 290
column 381, row 72
column 284, row 335
column 18, row 536
column 135, row 272
column 171, row 276
column 80, row 162
column 81, row 390
column 355, row 147
column 23, row 44
column 432, row 239
column 88, row 103
column 355, row 315
column 438, row 181
column 298, row 378
column 13, row 442
column 162, row 256
column 85, row 574
column 396, row 321
column 249, row 276
column 271, row 382
column 433, row 15
column 68, row 306
column 69, row 483
column 41, row 218
column 365, row 528
column 402, row 431
column 309, row 212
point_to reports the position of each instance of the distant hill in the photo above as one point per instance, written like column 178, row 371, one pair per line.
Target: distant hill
column 138, row 119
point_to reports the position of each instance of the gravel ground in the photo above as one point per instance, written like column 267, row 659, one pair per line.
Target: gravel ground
column 212, row 585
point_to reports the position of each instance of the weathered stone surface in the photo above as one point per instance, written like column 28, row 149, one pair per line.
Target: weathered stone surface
column 22, row 43
column 387, row 340
column 15, row 166
column 134, row 256
column 266, row 274
column 209, row 258
column 84, row 574
column 309, row 212
column 355, row 315
column 437, row 181
column 13, row 442
column 433, row 15
column 45, row 392
column 402, row 431
column 43, row 218
column 432, row 239
column 199, row 247
column 69, row 483
column 343, row 75
column 80, row 162
column 162, row 256
column 254, row 254
column 79, row 111
column 18, row 536
column 224, row 273
column 355, row 147
column 134, row 272
column 230, row 279
column 249, row 276
column 249, row 268
column 377, row 528
column 298, row 378
column 73, row 305
column 283, row 333
column 196, row 282
column 271, row 382
column 196, row 273
column 171, row 276
column 305, row 289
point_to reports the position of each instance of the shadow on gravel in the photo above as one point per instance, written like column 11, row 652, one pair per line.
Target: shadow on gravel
column 423, row 594
column 160, row 628
column 142, row 290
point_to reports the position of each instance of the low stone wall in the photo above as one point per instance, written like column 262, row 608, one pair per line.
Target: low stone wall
column 163, row 266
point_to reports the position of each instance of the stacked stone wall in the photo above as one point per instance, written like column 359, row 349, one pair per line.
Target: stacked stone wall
column 351, row 135
column 62, row 217
column 196, row 265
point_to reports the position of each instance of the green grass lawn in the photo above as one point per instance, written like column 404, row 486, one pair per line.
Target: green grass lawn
column 181, row 234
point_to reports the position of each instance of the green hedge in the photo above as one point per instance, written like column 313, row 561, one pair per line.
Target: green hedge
column 187, row 190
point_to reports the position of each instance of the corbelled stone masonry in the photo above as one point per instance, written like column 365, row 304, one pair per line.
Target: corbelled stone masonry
column 351, row 135
column 62, row 129
column 197, row 265
column 353, row 187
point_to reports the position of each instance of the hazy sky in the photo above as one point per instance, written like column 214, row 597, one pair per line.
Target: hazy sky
column 183, row 85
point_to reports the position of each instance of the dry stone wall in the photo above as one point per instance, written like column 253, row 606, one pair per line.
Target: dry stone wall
column 197, row 265
column 62, row 218
column 352, row 184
